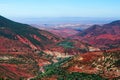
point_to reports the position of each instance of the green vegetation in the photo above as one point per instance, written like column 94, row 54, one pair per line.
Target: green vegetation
column 12, row 60
column 80, row 76
column 16, row 61
column 22, row 30
column 117, row 63
column 5, row 79
column 56, row 65
column 55, row 69
column 46, row 56
column 1, row 79
column 64, row 75
column 66, row 44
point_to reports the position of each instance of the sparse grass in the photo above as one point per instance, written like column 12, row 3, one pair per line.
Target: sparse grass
column 66, row 44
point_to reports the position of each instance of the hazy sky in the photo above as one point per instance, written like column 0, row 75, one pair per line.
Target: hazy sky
column 60, row 8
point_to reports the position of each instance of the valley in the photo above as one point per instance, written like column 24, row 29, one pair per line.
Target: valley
column 29, row 53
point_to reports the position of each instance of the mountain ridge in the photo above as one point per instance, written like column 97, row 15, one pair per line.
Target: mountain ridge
column 105, row 37
column 26, row 34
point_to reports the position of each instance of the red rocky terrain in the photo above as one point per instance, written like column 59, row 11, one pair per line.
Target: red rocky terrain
column 105, row 37
column 24, row 50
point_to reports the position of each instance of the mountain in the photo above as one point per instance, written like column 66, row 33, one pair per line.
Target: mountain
column 64, row 32
column 26, row 34
column 21, row 48
column 30, row 53
column 25, row 50
column 105, row 37
column 101, row 65
column 25, row 38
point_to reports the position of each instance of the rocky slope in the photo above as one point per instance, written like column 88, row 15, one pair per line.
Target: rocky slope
column 102, row 65
column 105, row 37
column 25, row 50
column 25, row 38
column 26, row 34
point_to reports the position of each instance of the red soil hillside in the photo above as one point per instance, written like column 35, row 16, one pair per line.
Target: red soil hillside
column 104, row 63
column 106, row 36
column 8, row 45
column 26, row 34
column 24, row 50
column 22, row 38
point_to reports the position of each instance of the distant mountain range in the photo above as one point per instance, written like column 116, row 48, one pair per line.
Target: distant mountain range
column 28, row 37
column 63, row 20
column 106, row 36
